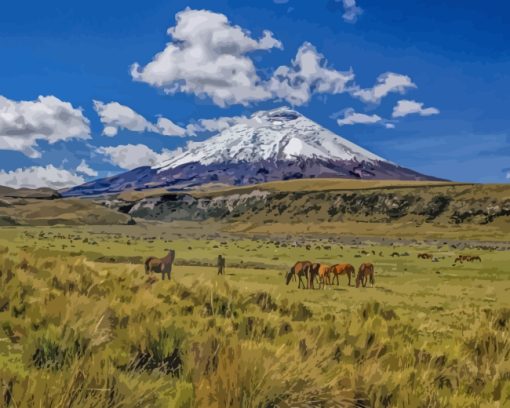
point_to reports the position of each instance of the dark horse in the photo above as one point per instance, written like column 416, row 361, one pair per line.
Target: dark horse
column 365, row 272
column 163, row 265
column 300, row 270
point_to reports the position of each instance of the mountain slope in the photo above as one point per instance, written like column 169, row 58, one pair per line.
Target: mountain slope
column 274, row 145
column 278, row 135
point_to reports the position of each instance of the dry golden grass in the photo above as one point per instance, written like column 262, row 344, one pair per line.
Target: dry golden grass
column 325, row 184
column 79, row 333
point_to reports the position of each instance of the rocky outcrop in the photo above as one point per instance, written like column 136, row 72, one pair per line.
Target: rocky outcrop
column 446, row 205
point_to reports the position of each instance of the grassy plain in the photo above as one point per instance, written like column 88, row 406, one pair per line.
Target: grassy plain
column 83, row 326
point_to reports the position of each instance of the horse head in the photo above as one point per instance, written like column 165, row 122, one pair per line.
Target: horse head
column 288, row 277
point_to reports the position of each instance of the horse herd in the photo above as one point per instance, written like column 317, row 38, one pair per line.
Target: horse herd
column 305, row 271
column 326, row 274
column 468, row 258
column 460, row 258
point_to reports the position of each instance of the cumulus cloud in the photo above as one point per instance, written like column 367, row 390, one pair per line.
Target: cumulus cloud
column 131, row 156
column 84, row 168
column 308, row 74
column 351, row 11
column 354, row 118
column 405, row 107
column 38, row 176
column 351, row 117
column 168, row 128
column 115, row 116
column 224, row 122
column 208, row 57
column 24, row 123
column 386, row 83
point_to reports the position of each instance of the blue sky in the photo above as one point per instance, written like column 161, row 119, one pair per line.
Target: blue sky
column 455, row 59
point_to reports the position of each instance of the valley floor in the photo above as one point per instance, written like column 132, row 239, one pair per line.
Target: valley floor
column 83, row 325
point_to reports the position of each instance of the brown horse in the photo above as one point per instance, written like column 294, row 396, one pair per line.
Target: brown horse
column 163, row 265
column 460, row 258
column 321, row 272
column 342, row 269
column 365, row 272
column 468, row 258
column 300, row 270
column 425, row 256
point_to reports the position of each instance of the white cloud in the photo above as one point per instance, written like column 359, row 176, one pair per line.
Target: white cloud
column 386, row 83
column 222, row 123
column 84, row 168
column 351, row 117
column 115, row 116
column 168, row 128
column 405, row 107
column 36, row 177
column 132, row 156
column 308, row 74
column 24, row 123
column 351, row 11
column 208, row 57
column 354, row 118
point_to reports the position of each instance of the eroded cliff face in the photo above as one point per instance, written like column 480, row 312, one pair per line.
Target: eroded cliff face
column 452, row 205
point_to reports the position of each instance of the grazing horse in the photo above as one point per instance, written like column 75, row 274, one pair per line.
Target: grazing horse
column 163, row 265
column 342, row 269
column 365, row 272
column 425, row 256
column 468, row 258
column 321, row 272
column 300, row 270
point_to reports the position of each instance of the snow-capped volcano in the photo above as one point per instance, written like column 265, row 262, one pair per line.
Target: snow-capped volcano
column 277, row 135
column 280, row 144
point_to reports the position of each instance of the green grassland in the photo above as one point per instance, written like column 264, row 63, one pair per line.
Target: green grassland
column 82, row 325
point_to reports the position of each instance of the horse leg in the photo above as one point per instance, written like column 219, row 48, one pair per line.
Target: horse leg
column 349, row 277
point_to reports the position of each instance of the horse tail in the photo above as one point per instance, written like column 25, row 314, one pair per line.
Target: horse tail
column 147, row 261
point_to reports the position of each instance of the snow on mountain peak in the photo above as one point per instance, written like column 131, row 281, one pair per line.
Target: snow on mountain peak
column 278, row 134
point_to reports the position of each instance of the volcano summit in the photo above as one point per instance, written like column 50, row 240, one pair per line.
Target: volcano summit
column 279, row 144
